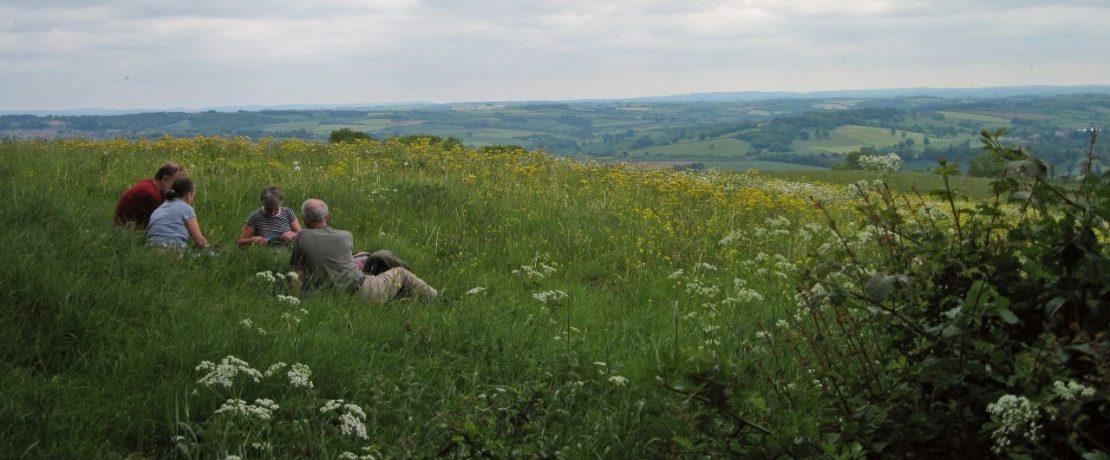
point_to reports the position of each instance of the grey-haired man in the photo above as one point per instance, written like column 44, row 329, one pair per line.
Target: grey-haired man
column 322, row 255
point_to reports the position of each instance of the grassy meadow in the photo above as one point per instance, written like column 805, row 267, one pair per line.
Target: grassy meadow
column 574, row 297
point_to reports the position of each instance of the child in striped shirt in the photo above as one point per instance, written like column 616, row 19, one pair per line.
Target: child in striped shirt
column 272, row 224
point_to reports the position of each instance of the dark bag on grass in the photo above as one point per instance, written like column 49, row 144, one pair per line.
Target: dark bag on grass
column 378, row 262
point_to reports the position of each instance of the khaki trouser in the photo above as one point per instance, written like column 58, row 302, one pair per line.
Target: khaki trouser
column 396, row 281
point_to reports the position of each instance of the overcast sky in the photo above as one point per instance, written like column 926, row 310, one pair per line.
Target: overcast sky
column 59, row 54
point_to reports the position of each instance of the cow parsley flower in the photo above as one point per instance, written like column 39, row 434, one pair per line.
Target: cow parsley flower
column 331, row 405
column 299, row 376
column 350, row 417
column 550, row 296
column 224, row 374
column 262, row 409
column 275, row 368
column 618, row 380
column 267, row 276
column 477, row 290
column 1072, row 391
column 1017, row 418
column 289, row 299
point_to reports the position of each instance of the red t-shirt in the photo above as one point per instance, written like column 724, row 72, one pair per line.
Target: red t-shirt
column 138, row 202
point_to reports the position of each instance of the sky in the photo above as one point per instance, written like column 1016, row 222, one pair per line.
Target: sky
column 159, row 54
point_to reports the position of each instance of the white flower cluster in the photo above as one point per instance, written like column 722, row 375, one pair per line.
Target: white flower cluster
column 781, row 187
column 262, row 409
column 676, row 274
column 535, row 271
column 224, row 374
column 295, row 316
column 475, row 291
column 271, row 277
column 697, row 287
column 743, row 295
column 886, row 163
column 618, row 380
column 351, row 417
column 930, row 211
column 550, row 296
column 247, row 324
column 288, row 299
column 299, row 375
column 274, row 369
column 1072, row 391
column 351, row 456
column 734, row 237
column 1016, row 416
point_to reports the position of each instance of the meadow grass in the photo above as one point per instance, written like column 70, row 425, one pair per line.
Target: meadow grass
column 101, row 335
column 908, row 182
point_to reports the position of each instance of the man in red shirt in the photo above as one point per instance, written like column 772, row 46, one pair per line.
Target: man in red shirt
column 139, row 201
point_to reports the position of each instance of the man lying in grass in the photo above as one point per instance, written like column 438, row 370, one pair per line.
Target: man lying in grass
column 322, row 256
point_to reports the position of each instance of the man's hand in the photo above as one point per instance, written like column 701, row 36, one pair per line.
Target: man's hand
column 259, row 240
column 288, row 236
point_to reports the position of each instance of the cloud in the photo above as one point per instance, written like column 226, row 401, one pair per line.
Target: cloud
column 123, row 53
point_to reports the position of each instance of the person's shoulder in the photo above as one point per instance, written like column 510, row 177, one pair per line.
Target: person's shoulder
column 257, row 213
column 287, row 213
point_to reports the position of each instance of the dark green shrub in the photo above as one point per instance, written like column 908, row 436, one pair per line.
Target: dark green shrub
column 974, row 329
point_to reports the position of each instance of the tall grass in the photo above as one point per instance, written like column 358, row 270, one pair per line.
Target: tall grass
column 100, row 336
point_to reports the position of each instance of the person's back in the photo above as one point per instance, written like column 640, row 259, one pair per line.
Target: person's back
column 174, row 222
column 139, row 202
column 324, row 255
column 167, row 224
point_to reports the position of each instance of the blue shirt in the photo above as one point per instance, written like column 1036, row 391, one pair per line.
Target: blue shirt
column 167, row 224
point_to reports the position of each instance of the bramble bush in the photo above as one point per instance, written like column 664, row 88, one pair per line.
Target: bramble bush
column 966, row 330
column 976, row 330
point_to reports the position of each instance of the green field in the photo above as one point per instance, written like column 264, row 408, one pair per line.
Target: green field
column 851, row 138
column 986, row 120
column 722, row 146
column 586, row 310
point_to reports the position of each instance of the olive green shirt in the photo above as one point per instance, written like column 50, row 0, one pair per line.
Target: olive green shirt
column 324, row 255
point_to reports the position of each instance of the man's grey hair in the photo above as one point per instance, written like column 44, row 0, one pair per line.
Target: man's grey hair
column 314, row 210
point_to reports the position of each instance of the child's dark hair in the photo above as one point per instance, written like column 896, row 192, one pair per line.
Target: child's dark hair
column 181, row 187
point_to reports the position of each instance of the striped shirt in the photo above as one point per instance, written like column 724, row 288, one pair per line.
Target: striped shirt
column 271, row 227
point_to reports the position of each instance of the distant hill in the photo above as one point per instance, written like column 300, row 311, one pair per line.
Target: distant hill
column 734, row 96
column 987, row 92
column 766, row 131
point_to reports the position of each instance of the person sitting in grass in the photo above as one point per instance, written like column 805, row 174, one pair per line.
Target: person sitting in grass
column 174, row 222
column 271, row 224
column 138, row 202
column 322, row 256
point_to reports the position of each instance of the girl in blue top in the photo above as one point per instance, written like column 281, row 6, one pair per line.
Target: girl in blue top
column 174, row 222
